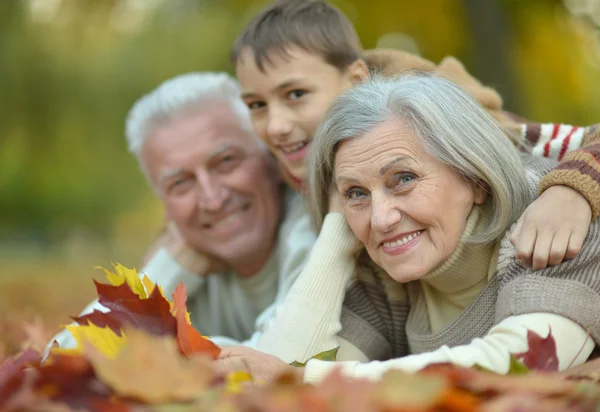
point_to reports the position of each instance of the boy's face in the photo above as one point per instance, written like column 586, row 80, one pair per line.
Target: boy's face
column 289, row 99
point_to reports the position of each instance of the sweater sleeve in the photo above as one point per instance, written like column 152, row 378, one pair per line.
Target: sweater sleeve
column 573, row 347
column 578, row 150
column 162, row 269
column 308, row 320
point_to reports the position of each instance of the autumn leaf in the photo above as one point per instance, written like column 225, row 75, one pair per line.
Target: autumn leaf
column 71, row 379
column 235, row 381
column 12, row 371
column 151, row 369
column 541, row 353
column 127, row 308
column 126, row 275
column 189, row 340
column 399, row 389
column 329, row 355
column 103, row 339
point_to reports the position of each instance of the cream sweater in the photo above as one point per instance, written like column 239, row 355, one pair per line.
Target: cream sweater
column 310, row 319
column 230, row 309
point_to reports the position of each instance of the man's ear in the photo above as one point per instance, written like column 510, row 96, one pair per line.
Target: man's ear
column 358, row 72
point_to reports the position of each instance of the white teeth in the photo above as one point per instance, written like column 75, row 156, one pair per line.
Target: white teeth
column 226, row 220
column 294, row 148
column 401, row 241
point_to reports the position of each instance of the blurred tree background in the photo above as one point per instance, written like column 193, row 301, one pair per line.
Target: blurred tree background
column 71, row 197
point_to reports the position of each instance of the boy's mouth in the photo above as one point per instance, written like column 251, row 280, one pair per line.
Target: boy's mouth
column 295, row 152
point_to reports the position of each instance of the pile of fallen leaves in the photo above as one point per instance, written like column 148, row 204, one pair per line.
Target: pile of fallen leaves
column 144, row 354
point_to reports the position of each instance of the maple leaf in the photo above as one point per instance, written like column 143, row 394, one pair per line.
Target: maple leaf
column 151, row 369
column 189, row 339
column 104, row 339
column 12, row 371
column 541, row 353
column 71, row 379
column 126, row 275
column 152, row 314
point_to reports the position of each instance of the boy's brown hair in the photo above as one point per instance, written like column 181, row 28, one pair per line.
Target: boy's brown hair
column 313, row 25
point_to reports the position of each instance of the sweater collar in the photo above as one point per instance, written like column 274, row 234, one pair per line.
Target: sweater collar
column 470, row 263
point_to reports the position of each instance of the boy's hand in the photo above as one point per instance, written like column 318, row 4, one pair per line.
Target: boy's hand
column 552, row 228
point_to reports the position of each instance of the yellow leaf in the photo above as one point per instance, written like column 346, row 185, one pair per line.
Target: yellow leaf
column 129, row 276
column 107, row 342
column 235, row 380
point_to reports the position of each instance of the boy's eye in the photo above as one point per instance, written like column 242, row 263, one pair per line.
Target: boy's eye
column 255, row 105
column 296, row 94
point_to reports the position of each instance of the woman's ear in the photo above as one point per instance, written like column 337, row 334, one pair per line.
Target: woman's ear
column 480, row 193
column 358, row 72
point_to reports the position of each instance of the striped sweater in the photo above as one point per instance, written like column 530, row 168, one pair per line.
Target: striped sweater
column 577, row 148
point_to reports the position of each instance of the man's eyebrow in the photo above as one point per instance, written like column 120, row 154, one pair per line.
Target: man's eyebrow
column 391, row 164
column 169, row 174
column 281, row 86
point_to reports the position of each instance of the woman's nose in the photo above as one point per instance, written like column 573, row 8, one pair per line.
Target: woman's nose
column 385, row 215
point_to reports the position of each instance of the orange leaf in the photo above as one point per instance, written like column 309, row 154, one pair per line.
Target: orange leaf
column 189, row 339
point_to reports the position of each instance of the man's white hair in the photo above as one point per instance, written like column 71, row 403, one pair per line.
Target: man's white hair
column 177, row 95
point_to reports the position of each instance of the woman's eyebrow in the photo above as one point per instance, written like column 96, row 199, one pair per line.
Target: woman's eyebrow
column 399, row 159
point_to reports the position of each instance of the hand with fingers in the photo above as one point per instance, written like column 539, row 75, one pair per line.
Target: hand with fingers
column 552, row 228
column 263, row 368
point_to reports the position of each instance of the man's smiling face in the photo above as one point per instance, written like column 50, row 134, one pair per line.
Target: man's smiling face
column 217, row 184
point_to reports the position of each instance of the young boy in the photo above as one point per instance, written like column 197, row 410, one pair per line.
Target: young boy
column 296, row 56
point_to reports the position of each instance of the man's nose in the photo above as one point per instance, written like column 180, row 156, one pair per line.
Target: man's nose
column 212, row 194
column 280, row 125
column 385, row 214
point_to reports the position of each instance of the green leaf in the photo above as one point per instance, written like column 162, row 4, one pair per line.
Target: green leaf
column 517, row 367
column 329, row 355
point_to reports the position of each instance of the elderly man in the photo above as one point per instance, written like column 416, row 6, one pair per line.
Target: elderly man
column 236, row 237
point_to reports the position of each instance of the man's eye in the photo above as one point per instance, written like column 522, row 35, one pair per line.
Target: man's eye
column 296, row 94
column 256, row 105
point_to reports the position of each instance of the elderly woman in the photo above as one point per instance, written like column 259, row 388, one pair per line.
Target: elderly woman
column 431, row 190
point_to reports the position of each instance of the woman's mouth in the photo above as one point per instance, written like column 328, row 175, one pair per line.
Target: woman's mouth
column 402, row 244
column 295, row 152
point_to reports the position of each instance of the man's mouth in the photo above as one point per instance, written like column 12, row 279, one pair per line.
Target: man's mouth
column 229, row 218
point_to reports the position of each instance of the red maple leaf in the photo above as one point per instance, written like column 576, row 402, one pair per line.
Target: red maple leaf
column 70, row 379
column 541, row 353
column 152, row 315
column 189, row 339
column 12, row 372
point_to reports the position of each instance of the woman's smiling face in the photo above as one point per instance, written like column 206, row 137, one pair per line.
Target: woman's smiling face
column 407, row 207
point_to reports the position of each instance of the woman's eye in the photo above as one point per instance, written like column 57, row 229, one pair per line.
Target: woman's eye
column 296, row 94
column 354, row 194
column 256, row 105
column 403, row 178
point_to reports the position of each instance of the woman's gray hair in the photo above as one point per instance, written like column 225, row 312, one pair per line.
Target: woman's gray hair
column 452, row 127
column 177, row 95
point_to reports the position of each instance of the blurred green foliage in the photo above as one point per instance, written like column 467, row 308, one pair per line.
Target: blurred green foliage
column 70, row 70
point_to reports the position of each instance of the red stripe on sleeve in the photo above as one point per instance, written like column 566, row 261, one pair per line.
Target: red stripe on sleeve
column 555, row 129
column 565, row 144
